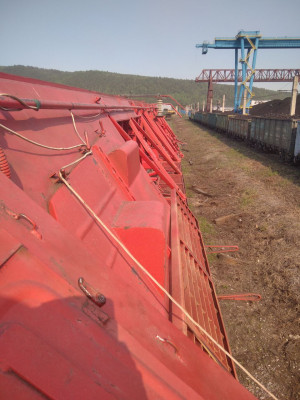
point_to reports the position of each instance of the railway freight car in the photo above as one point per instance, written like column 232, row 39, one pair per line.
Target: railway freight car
column 222, row 123
column 106, row 290
column 239, row 127
column 277, row 134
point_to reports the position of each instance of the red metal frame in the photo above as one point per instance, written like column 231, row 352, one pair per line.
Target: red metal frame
column 156, row 166
column 228, row 75
column 193, row 284
column 260, row 75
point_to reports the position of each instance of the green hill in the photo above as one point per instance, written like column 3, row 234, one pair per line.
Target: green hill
column 183, row 90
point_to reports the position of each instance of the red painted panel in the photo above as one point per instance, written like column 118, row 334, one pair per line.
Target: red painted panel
column 9, row 245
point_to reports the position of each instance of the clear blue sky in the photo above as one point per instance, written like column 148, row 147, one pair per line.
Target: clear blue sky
column 154, row 38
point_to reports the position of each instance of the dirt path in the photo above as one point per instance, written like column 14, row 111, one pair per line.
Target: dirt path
column 261, row 196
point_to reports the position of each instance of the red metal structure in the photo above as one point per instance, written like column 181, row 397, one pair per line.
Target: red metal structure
column 260, row 75
column 95, row 238
column 228, row 75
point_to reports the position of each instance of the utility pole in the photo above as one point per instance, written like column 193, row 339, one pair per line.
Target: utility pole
column 294, row 95
column 210, row 92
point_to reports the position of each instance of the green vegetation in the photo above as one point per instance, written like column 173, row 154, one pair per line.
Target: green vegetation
column 267, row 172
column 183, row 90
column 188, row 191
column 211, row 258
column 206, row 228
column 235, row 155
column 248, row 197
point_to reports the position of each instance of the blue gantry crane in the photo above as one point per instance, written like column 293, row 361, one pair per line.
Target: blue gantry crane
column 248, row 42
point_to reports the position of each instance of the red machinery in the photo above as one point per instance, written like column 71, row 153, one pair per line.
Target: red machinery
column 94, row 224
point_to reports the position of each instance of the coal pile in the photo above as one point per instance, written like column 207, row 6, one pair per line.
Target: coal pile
column 278, row 108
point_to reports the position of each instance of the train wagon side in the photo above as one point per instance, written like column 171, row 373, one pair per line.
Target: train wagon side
column 222, row 122
column 239, row 127
column 275, row 134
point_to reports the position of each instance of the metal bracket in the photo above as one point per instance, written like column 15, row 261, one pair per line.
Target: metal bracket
column 91, row 293
column 23, row 216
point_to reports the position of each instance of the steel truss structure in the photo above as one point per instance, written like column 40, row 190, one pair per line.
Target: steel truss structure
column 248, row 42
column 260, row 75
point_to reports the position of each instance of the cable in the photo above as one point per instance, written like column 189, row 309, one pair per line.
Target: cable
column 75, row 128
column 137, row 263
column 76, row 161
column 36, row 108
column 39, row 144
column 88, row 116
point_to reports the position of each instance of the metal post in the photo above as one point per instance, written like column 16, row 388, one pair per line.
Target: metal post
column 203, row 106
column 236, row 81
column 223, row 105
column 159, row 108
column 294, row 95
column 209, row 92
column 244, row 71
column 210, row 106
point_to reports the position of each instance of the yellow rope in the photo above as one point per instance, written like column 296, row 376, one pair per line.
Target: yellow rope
column 75, row 129
column 39, row 144
column 138, row 264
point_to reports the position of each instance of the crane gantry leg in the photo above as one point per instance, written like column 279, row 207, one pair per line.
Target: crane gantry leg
column 245, row 95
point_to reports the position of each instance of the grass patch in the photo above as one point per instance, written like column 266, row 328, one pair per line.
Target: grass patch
column 283, row 182
column 246, row 168
column 238, row 160
column 267, row 173
column 263, row 228
column 211, row 258
column 235, row 154
column 207, row 229
column 248, row 198
column 223, row 287
column 185, row 168
column 189, row 193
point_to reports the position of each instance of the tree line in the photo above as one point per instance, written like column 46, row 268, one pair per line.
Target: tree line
column 185, row 91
